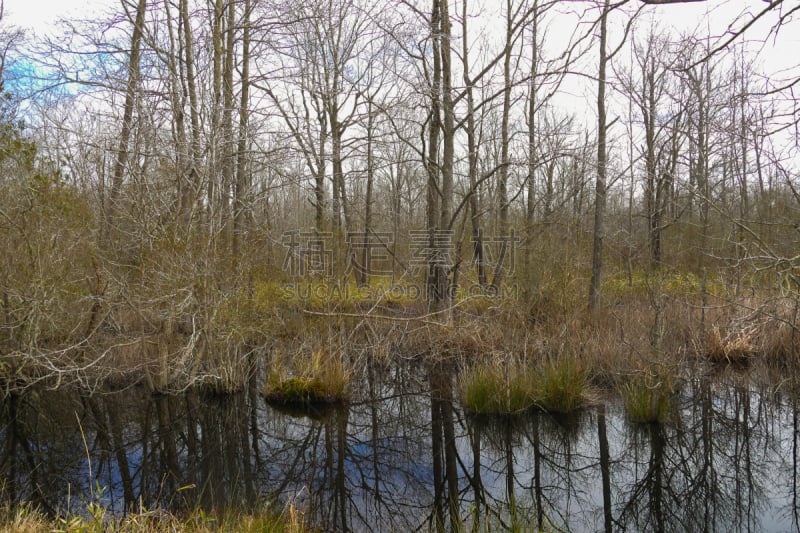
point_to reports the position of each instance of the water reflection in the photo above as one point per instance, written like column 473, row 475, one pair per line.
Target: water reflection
column 406, row 458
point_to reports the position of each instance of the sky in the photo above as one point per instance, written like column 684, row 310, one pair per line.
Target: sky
column 39, row 16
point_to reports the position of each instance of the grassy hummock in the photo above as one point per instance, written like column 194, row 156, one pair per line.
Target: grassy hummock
column 496, row 388
column 562, row 385
column 648, row 398
column 320, row 378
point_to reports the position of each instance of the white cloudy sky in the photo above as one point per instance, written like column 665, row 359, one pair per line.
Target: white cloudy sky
column 778, row 58
column 40, row 15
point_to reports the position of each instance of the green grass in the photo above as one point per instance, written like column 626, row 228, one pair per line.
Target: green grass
column 308, row 380
column 561, row 385
column 496, row 389
column 648, row 399
column 25, row 519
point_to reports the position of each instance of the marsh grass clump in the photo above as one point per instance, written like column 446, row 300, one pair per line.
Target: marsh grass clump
column 318, row 378
column 495, row 388
column 649, row 398
column 562, row 385
column 302, row 390
column 506, row 388
column 731, row 348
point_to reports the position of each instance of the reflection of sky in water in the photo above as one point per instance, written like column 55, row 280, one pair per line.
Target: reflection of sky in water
column 373, row 466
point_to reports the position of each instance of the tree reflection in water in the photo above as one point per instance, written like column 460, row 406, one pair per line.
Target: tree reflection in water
column 404, row 457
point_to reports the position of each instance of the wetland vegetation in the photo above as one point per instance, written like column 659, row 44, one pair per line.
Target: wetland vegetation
column 346, row 265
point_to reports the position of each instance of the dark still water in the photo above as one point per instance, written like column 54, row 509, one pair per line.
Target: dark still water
column 405, row 455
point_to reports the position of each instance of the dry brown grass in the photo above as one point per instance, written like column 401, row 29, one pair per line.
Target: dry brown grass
column 731, row 347
column 780, row 345
column 755, row 331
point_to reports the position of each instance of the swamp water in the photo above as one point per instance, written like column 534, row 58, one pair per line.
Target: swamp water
column 728, row 461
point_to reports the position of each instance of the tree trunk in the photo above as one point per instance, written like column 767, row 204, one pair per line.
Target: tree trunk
column 194, row 185
column 228, row 144
column 365, row 256
column 131, row 89
column 241, row 211
column 600, row 183
column 532, row 151
column 472, row 159
column 448, row 157
column 502, row 175
column 432, row 163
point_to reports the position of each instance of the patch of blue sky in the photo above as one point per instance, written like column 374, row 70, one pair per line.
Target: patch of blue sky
column 25, row 78
column 31, row 77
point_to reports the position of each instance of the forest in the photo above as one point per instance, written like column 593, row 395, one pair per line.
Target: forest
column 539, row 205
column 196, row 190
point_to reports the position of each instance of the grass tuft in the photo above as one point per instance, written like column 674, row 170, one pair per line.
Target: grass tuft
column 507, row 388
column 495, row 388
column 648, row 398
column 562, row 385
column 308, row 380
column 732, row 348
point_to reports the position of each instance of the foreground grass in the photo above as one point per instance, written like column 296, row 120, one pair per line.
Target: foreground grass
column 28, row 520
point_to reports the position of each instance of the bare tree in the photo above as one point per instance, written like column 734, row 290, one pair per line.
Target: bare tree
column 242, row 198
column 472, row 153
column 131, row 89
column 600, row 180
column 650, row 89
